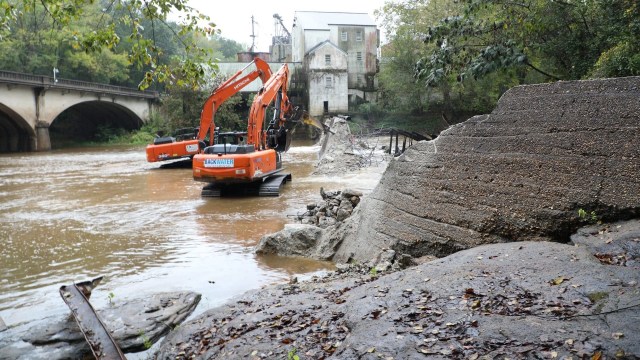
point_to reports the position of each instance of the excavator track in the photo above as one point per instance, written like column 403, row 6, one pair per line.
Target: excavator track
column 271, row 186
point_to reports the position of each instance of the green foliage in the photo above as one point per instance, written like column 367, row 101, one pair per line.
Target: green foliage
column 110, row 298
column 621, row 60
column 146, row 342
column 293, row 354
column 112, row 41
column 588, row 217
column 556, row 39
column 227, row 48
column 373, row 272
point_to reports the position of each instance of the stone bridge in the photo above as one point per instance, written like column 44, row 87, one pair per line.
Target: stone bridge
column 29, row 104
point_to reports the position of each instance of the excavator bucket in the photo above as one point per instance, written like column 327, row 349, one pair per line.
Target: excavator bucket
column 306, row 119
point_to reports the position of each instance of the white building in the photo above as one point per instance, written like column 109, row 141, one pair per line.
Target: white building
column 339, row 55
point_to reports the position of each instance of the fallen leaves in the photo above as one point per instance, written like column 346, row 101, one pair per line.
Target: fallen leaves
column 612, row 259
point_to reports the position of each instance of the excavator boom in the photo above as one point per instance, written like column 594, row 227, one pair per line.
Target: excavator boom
column 168, row 148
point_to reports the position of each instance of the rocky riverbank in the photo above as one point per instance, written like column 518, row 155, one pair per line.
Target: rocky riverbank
column 516, row 300
column 548, row 161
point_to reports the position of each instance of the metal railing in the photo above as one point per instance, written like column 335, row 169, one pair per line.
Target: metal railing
column 11, row 77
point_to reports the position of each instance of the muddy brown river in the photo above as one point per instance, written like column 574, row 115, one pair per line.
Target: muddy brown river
column 73, row 215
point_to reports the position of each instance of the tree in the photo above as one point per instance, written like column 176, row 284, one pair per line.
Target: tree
column 404, row 22
column 541, row 39
column 228, row 48
column 136, row 29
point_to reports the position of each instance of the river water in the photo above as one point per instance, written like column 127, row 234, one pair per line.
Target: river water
column 75, row 214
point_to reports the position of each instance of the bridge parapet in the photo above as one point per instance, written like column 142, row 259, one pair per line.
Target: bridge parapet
column 49, row 82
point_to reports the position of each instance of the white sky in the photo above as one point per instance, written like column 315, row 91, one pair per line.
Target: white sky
column 233, row 17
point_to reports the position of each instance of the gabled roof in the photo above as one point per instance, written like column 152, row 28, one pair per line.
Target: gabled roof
column 326, row 42
column 320, row 20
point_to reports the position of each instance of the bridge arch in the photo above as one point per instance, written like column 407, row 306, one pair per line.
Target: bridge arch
column 40, row 101
column 91, row 120
column 16, row 134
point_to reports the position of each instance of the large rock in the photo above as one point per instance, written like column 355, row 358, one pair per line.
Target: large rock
column 134, row 325
column 535, row 300
column 520, row 173
column 293, row 240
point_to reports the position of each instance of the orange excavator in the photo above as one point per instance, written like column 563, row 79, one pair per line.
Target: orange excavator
column 193, row 141
column 255, row 166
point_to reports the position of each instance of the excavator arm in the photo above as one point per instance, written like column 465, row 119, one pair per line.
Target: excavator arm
column 227, row 89
column 167, row 148
column 274, row 90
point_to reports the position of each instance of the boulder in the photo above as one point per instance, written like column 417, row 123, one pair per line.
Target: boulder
column 521, row 173
column 134, row 325
column 293, row 240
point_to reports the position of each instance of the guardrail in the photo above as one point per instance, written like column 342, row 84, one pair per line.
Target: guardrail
column 11, row 77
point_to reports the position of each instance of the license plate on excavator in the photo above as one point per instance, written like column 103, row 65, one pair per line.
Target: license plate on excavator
column 213, row 163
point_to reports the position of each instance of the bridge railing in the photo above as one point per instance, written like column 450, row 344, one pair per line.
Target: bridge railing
column 11, row 77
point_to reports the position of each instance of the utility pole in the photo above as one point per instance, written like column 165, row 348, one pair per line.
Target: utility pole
column 253, row 35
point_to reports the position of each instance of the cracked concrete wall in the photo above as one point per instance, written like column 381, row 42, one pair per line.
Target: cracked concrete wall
column 519, row 173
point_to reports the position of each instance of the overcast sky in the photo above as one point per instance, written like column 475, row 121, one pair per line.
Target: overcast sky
column 233, row 17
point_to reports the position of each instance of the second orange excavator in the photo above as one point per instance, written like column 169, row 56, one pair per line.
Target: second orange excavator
column 253, row 166
column 182, row 146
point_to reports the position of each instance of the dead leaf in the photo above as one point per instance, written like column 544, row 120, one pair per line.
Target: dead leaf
column 371, row 350
column 469, row 291
column 559, row 280
column 475, row 304
column 617, row 335
column 428, row 351
column 597, row 356
column 569, row 341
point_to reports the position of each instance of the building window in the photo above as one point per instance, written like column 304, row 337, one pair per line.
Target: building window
column 327, row 59
column 328, row 81
column 359, row 56
column 344, row 36
column 358, row 36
